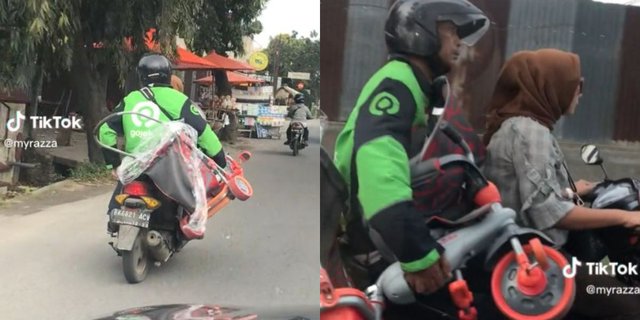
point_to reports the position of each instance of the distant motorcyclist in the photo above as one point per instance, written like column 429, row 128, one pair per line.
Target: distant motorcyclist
column 164, row 104
column 299, row 112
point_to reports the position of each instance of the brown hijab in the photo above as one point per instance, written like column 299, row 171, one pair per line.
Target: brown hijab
column 536, row 84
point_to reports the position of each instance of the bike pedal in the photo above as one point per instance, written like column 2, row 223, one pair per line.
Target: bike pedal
column 469, row 314
column 460, row 294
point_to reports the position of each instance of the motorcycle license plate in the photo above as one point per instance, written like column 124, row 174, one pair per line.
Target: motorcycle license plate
column 132, row 217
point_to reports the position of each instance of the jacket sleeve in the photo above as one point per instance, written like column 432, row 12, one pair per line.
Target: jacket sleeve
column 382, row 139
column 108, row 134
column 308, row 112
column 536, row 163
column 207, row 139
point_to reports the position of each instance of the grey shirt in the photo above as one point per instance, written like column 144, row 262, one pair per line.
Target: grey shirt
column 524, row 160
column 299, row 113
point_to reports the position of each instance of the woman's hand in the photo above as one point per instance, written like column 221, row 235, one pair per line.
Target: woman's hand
column 632, row 220
column 584, row 187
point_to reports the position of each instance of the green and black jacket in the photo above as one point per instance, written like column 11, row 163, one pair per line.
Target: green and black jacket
column 373, row 152
column 173, row 105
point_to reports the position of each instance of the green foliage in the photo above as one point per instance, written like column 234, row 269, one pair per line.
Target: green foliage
column 51, row 32
column 90, row 172
column 223, row 23
column 297, row 54
column 87, row 38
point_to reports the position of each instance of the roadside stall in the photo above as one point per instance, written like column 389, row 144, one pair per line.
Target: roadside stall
column 246, row 98
column 221, row 110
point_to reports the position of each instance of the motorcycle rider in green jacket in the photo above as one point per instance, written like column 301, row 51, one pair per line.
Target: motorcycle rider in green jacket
column 160, row 101
column 373, row 150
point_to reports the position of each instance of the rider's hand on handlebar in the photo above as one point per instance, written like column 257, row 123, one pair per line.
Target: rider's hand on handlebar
column 114, row 174
column 430, row 279
column 584, row 187
column 632, row 220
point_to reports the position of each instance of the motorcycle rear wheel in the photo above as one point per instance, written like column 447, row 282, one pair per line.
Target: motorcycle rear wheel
column 136, row 263
column 295, row 147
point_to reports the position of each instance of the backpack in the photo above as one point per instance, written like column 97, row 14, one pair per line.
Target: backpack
column 445, row 194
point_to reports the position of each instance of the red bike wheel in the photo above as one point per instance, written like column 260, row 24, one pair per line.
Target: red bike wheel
column 240, row 188
column 552, row 303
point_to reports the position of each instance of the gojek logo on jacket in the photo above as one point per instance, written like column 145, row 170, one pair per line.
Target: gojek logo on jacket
column 148, row 109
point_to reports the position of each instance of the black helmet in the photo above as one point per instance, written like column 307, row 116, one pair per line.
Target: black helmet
column 154, row 68
column 298, row 98
column 411, row 26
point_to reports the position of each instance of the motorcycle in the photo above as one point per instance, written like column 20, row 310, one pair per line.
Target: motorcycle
column 160, row 196
column 526, row 280
column 297, row 138
column 619, row 244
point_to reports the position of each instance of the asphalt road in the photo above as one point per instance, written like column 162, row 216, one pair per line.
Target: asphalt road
column 55, row 263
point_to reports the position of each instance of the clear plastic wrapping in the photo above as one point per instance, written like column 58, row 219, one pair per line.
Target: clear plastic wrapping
column 170, row 157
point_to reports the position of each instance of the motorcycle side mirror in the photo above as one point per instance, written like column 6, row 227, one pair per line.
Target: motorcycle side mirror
column 590, row 154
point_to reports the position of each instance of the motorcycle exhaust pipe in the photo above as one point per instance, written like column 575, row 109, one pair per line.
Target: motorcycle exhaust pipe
column 158, row 247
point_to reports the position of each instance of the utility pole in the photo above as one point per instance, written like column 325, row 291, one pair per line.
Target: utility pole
column 275, row 69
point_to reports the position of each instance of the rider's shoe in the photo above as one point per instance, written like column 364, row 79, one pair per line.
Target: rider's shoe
column 112, row 227
column 287, row 142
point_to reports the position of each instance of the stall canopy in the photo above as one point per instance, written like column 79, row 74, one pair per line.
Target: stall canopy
column 234, row 78
column 187, row 60
column 226, row 63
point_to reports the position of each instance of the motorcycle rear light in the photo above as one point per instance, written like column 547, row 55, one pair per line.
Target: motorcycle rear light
column 136, row 188
column 121, row 198
column 150, row 202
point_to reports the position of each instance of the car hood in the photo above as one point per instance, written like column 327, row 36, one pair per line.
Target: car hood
column 213, row 312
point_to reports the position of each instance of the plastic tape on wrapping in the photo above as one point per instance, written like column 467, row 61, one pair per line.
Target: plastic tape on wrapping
column 167, row 137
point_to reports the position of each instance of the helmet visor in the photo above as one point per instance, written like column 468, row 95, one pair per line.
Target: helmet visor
column 471, row 27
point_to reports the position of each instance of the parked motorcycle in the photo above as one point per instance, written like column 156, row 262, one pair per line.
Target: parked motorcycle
column 526, row 280
column 156, row 206
column 619, row 244
column 297, row 142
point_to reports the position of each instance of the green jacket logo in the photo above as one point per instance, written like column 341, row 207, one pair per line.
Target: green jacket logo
column 383, row 103
column 148, row 109
column 196, row 111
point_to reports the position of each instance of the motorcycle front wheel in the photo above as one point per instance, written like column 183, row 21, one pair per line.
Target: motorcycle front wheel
column 136, row 263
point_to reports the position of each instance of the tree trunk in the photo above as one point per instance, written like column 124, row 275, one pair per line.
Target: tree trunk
column 90, row 85
column 132, row 83
column 223, row 87
column 230, row 133
column 34, row 92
